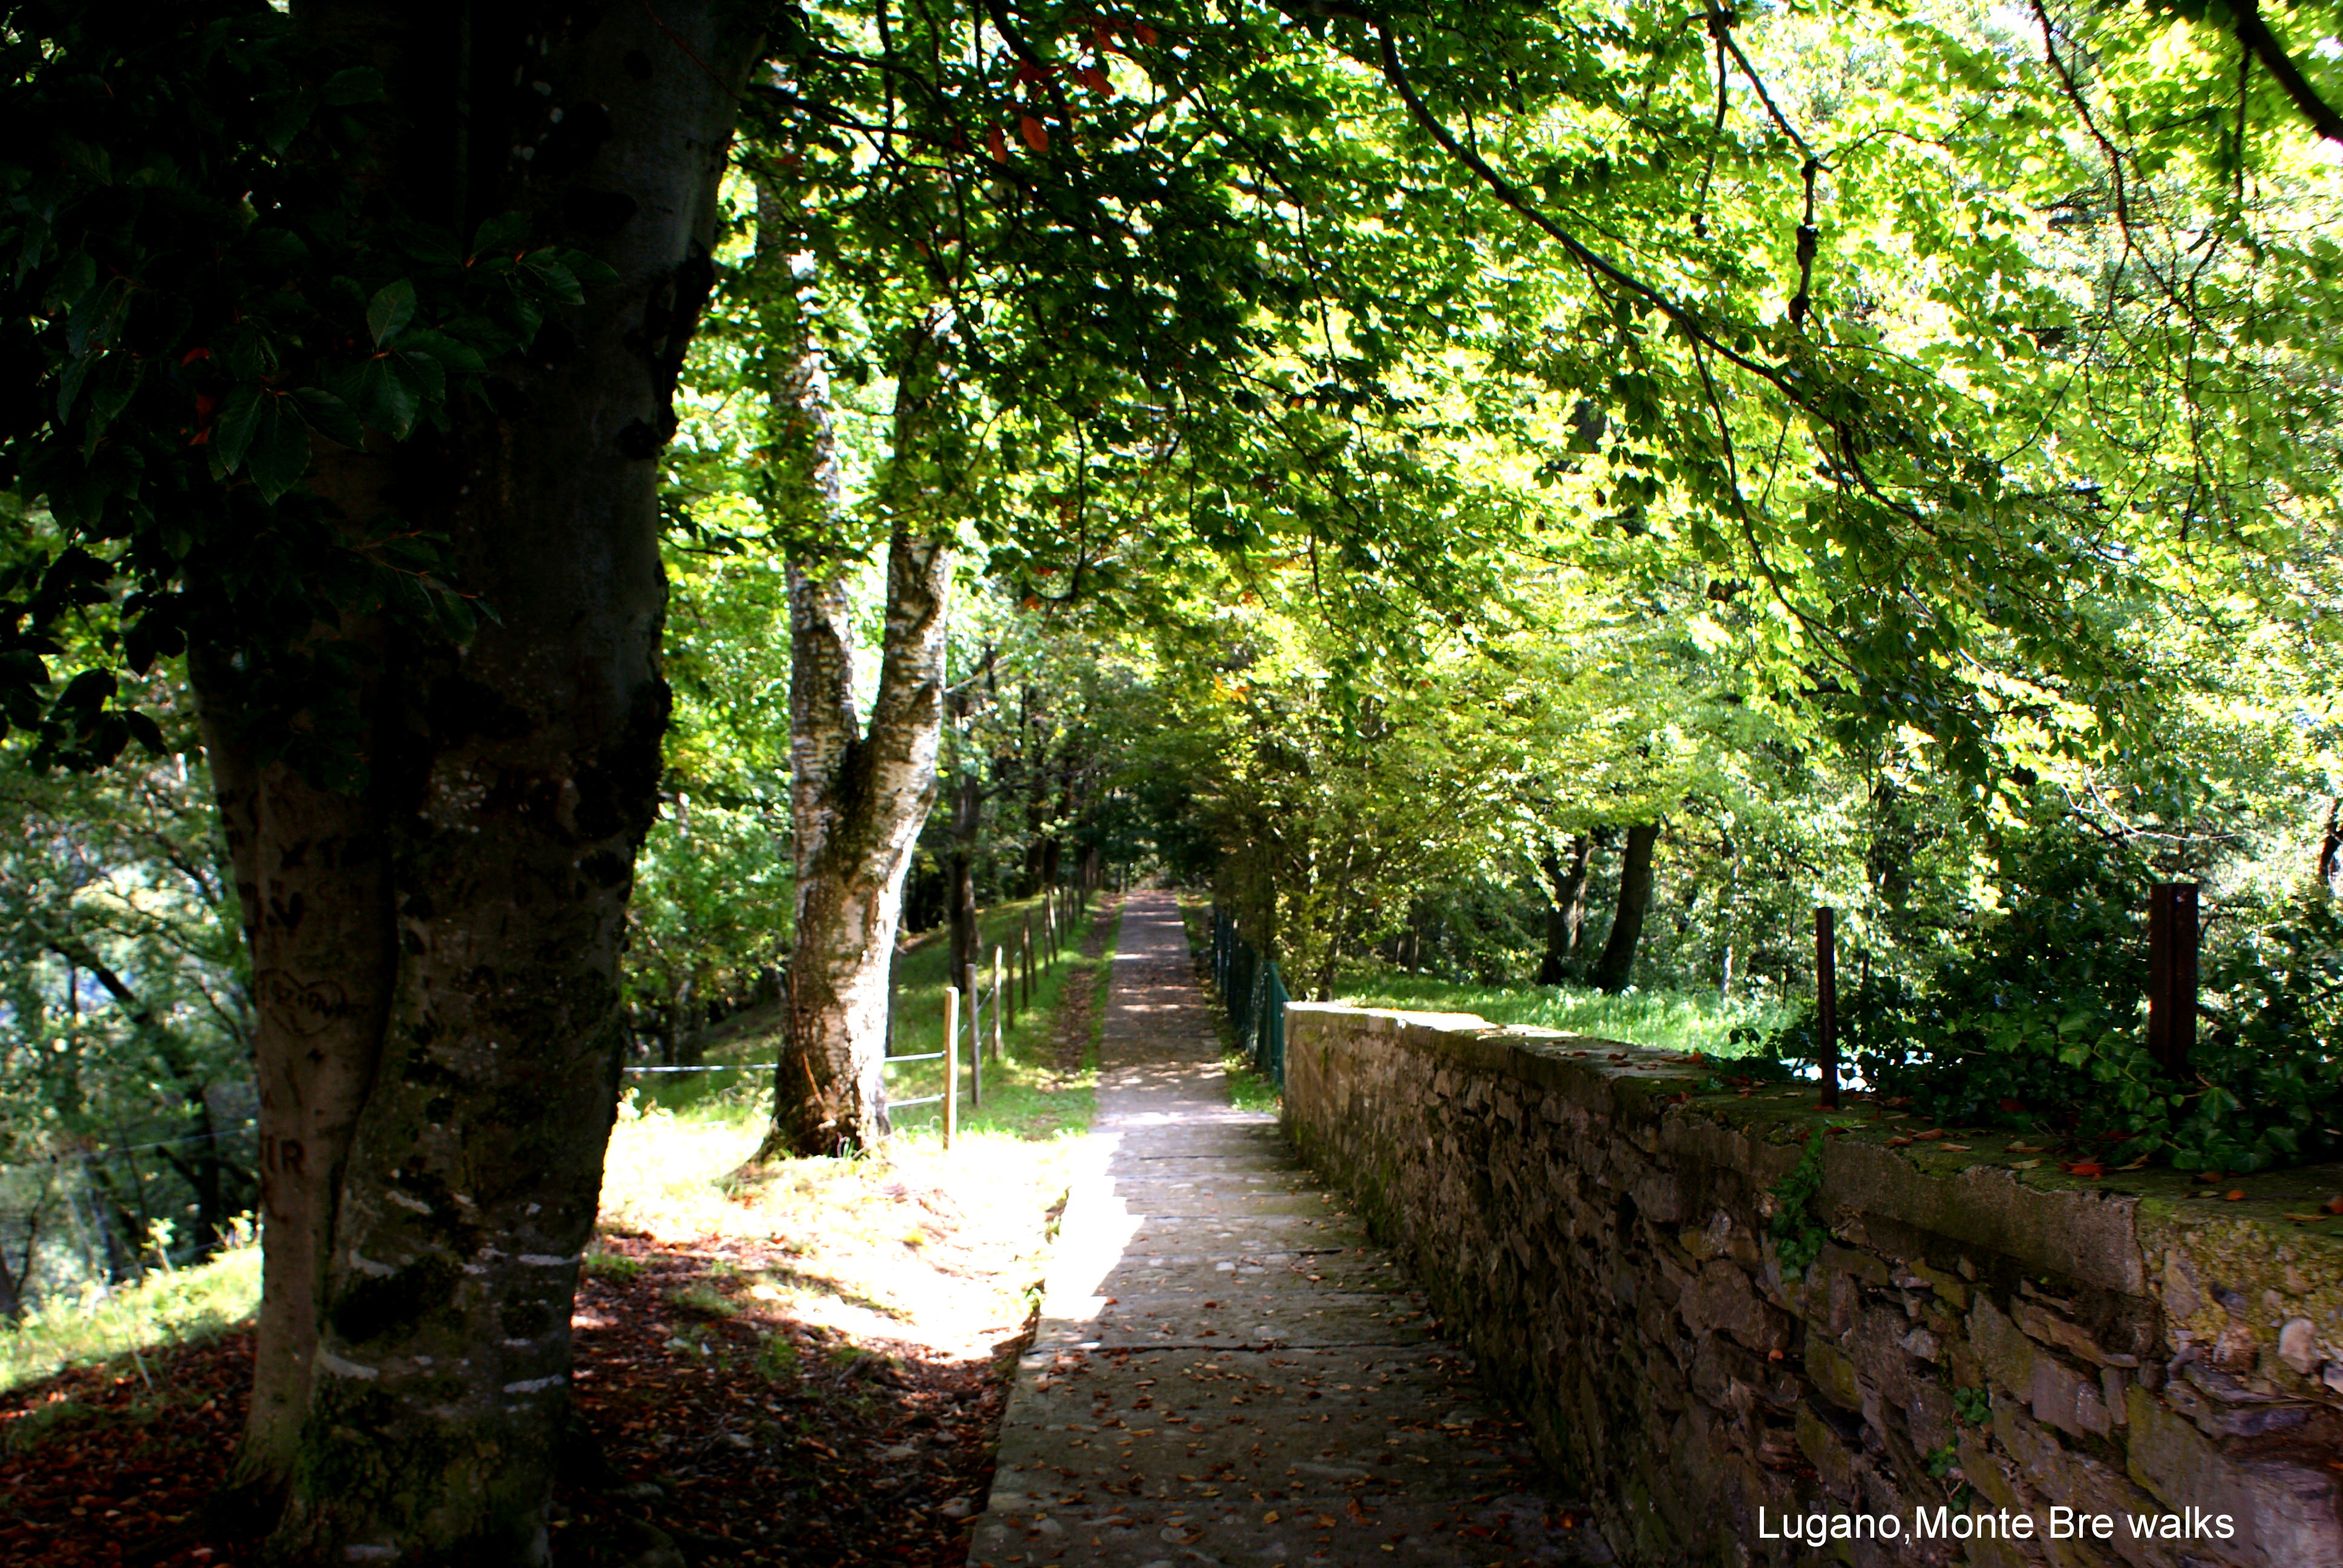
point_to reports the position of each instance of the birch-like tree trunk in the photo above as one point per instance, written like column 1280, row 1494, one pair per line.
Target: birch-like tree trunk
column 859, row 793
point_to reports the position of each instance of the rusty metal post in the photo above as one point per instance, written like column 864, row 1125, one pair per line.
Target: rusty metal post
column 2172, row 934
column 1827, row 1001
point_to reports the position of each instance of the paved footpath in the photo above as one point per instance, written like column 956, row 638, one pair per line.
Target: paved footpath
column 1227, row 1371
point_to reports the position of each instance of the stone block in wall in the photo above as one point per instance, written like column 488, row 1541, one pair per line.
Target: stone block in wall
column 1833, row 1372
column 2053, row 1472
column 2045, row 1326
column 1877, row 1344
column 1659, row 1196
column 2284, row 1512
column 1949, row 1286
column 1930, row 1417
column 2066, row 1400
column 1725, row 1300
column 1856, row 1264
column 1719, row 1237
column 1835, row 1464
column 2088, row 1237
column 2005, row 1353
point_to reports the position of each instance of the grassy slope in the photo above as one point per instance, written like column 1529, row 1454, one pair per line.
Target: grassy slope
column 675, row 1154
column 181, row 1305
column 1024, row 1092
column 1675, row 1020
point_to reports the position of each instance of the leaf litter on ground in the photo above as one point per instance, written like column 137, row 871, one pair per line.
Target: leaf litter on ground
column 803, row 1364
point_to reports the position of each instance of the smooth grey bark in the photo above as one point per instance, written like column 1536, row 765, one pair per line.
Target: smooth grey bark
column 829, row 1094
column 436, row 953
column 1617, row 964
column 1566, row 913
column 13, row 1280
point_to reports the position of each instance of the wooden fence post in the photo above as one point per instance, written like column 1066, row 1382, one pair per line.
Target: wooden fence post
column 2172, row 936
column 1827, row 1001
column 1003, row 997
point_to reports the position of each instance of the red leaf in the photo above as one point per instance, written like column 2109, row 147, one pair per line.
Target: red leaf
column 1097, row 81
column 996, row 143
column 1144, row 33
column 1036, row 133
column 2086, row 1168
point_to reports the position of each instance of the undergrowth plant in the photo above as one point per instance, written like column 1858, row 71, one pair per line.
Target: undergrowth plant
column 2036, row 1021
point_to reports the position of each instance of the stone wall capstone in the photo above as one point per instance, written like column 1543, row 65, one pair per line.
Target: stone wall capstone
column 1979, row 1331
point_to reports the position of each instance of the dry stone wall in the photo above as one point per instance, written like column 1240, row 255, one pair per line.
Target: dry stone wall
column 1993, row 1341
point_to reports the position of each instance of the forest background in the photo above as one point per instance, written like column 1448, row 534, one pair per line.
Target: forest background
column 1525, row 500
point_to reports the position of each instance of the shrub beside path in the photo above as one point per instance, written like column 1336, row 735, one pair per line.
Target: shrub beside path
column 1227, row 1371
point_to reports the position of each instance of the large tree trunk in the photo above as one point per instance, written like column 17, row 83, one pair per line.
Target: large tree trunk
column 1613, row 970
column 858, row 798
column 1565, row 916
column 829, row 1094
column 436, row 952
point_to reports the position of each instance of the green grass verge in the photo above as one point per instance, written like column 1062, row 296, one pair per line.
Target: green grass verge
column 172, row 1307
column 1025, row 1098
column 1025, row 1094
column 1671, row 1020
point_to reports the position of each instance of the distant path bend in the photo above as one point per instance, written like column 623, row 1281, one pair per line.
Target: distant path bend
column 1227, row 1371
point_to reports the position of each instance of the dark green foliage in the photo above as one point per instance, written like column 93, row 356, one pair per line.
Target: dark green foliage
column 1796, row 1228
column 2037, row 1019
column 210, row 280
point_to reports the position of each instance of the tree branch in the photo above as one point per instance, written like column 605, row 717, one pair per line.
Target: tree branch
column 2263, row 46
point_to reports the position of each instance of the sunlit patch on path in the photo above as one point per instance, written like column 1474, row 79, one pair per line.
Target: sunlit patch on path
column 1226, row 1371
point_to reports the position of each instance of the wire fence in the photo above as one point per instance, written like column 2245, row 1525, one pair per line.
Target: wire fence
column 1255, row 994
column 90, row 1209
column 88, row 1212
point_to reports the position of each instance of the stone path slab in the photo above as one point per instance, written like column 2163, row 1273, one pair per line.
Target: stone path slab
column 1227, row 1371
